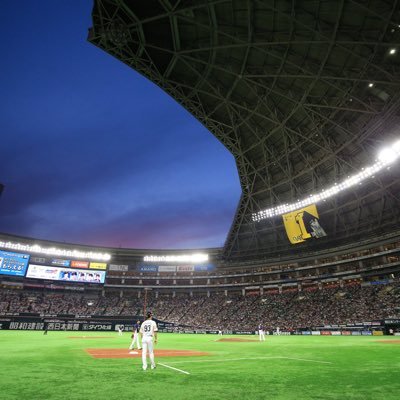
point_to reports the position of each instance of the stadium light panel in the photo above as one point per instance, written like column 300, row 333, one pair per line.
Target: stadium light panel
column 386, row 157
column 178, row 258
column 91, row 255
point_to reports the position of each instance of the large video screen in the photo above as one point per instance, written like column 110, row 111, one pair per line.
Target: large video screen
column 13, row 263
column 65, row 274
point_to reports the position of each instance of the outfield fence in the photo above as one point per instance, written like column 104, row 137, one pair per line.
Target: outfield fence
column 64, row 322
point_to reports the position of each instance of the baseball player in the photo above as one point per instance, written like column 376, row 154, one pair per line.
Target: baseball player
column 135, row 336
column 261, row 332
column 148, row 333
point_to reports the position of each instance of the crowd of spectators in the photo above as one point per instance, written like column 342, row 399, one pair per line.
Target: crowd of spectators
column 287, row 310
column 291, row 310
column 18, row 301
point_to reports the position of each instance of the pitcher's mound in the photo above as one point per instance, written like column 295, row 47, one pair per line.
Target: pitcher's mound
column 122, row 353
column 390, row 341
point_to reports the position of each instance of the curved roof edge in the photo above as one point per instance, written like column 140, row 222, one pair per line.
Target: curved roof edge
column 114, row 251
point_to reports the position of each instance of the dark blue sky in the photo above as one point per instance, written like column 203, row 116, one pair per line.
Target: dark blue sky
column 94, row 153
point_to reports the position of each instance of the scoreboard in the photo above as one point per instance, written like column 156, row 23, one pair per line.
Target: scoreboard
column 14, row 264
column 25, row 265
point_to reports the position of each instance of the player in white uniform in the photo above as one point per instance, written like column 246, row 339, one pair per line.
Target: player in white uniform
column 148, row 333
column 135, row 337
column 261, row 332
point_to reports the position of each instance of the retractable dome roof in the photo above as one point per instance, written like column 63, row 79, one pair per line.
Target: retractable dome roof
column 302, row 93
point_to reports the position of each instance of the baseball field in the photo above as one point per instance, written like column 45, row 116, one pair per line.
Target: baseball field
column 96, row 366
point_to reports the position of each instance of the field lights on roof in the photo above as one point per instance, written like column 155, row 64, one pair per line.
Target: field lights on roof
column 386, row 157
column 184, row 258
column 53, row 251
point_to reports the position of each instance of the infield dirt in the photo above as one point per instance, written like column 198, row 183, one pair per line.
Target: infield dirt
column 122, row 353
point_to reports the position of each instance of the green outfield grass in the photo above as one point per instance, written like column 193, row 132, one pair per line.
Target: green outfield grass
column 34, row 366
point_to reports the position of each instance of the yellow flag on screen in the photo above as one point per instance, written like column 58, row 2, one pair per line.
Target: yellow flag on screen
column 303, row 224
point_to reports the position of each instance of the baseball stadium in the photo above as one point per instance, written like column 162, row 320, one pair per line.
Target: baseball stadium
column 303, row 299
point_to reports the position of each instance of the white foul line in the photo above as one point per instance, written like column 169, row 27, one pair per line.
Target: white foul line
column 175, row 369
column 220, row 360
column 253, row 358
column 304, row 359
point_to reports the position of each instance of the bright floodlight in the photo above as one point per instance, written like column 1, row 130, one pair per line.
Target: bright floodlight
column 386, row 157
column 54, row 251
column 392, row 51
column 178, row 258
